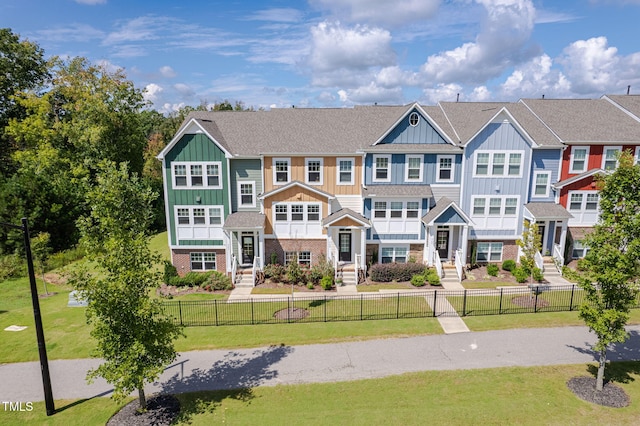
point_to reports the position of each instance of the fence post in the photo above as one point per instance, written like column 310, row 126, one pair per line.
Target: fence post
column 215, row 306
column 573, row 287
column 180, row 309
column 435, row 297
column 252, row 311
column 325, row 308
column 288, row 309
column 398, row 306
column 500, row 307
column 535, row 304
column 464, row 303
column 361, row 303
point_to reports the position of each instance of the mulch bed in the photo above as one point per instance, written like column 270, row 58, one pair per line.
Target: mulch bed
column 297, row 288
column 161, row 410
column 171, row 290
column 610, row 396
column 529, row 302
column 291, row 313
column 480, row 274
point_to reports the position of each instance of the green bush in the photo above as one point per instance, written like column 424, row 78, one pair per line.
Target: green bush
column 387, row 272
column 509, row 265
column 218, row 281
column 520, row 274
column 433, row 278
column 418, row 280
column 191, row 279
column 570, row 274
column 64, row 258
column 170, row 271
column 537, row 274
column 273, row 258
column 12, row 266
column 274, row 271
column 322, row 268
column 327, row 282
column 492, row 269
column 310, row 285
column 294, row 273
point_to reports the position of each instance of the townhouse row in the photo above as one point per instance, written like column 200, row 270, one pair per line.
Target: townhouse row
column 390, row 183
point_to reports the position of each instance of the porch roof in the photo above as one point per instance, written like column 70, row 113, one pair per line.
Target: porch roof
column 244, row 220
column 442, row 205
column 421, row 191
column 345, row 213
column 578, row 178
column 548, row 211
column 296, row 183
column 579, row 232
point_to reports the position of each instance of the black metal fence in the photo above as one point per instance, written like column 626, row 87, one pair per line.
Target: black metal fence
column 373, row 306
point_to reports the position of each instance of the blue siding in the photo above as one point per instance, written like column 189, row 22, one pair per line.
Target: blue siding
column 450, row 216
column 420, row 134
column 398, row 164
column 547, row 160
column 395, row 237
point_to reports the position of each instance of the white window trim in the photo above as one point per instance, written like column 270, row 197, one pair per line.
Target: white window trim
column 306, row 170
column 604, row 155
column 503, row 205
column 387, row 210
column 375, row 169
column 273, row 167
column 394, row 247
column 353, row 164
column 637, row 156
column 305, row 212
column 535, row 179
column 215, row 261
column 572, row 169
column 453, row 168
column 583, row 202
column 286, row 262
column 406, row 168
column 191, row 216
column 188, row 165
column 253, row 184
column 507, row 157
column 491, row 244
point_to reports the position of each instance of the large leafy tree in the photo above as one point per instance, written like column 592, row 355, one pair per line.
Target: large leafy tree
column 613, row 262
column 133, row 336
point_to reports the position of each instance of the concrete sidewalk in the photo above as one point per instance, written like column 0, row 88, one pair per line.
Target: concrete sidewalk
column 281, row 364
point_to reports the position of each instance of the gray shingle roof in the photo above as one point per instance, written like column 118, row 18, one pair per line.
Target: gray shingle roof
column 441, row 206
column 244, row 220
column 548, row 211
column 414, row 148
column 421, row 191
column 577, row 121
column 335, row 216
column 298, row 184
column 631, row 103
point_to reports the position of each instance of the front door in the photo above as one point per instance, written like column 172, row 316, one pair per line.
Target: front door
column 442, row 243
column 344, row 244
column 247, row 249
column 541, row 229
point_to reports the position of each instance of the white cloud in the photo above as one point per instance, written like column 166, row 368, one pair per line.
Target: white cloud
column 443, row 92
column 371, row 94
column 534, row 79
column 591, row 65
column 277, row 15
column 185, row 90
column 152, row 92
column 74, row 32
column 380, row 12
column 168, row 107
column 108, row 66
column 167, row 72
column 355, row 48
column 503, row 41
column 143, row 28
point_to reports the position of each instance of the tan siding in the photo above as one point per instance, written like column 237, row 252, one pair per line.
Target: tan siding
column 346, row 222
column 329, row 174
column 295, row 194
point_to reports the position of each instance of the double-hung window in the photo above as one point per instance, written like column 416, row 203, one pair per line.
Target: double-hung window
column 541, row 184
column 488, row 164
column 313, row 212
column 583, row 201
column 197, row 175
column 379, row 209
column 610, row 157
column 297, row 212
column 497, row 168
column 282, row 214
column 184, row 218
column 489, row 252
column 345, row 171
column 396, row 210
column 579, row 249
column 246, row 194
column 203, row 261
column 215, row 216
column 393, row 254
column 515, row 161
column 412, row 209
column 413, row 168
column 314, row 171
column 479, row 206
column 213, row 174
column 281, row 171
column 381, row 168
column 482, row 164
column 445, row 169
column 497, row 206
column 198, row 216
column 179, row 175
column 579, row 159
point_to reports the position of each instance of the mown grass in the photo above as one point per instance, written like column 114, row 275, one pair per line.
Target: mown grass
column 500, row 396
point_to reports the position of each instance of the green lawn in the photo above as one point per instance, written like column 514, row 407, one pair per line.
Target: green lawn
column 500, row 396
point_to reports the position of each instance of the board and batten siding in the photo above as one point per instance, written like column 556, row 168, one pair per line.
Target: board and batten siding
column 497, row 137
column 399, row 164
column 194, row 148
column 545, row 160
column 423, row 133
column 245, row 170
column 329, row 174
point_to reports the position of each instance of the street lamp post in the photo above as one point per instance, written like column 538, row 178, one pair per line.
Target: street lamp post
column 42, row 349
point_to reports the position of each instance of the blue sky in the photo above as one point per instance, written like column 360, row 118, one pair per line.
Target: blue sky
column 335, row 53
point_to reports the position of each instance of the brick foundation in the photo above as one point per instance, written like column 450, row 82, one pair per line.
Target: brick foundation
column 279, row 246
column 509, row 249
column 182, row 261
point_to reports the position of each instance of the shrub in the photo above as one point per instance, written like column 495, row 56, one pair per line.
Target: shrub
column 418, row 280
column 492, row 269
column 310, row 285
column 170, row 272
column 327, row 282
column 570, row 274
column 509, row 265
column 537, row 274
column 274, row 271
column 65, row 257
column 191, row 279
column 322, row 268
column 294, row 273
column 12, row 266
column 218, row 281
column 433, row 278
column 273, row 258
column 387, row 272
column 520, row 274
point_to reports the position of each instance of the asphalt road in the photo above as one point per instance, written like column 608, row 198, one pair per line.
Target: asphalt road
column 281, row 364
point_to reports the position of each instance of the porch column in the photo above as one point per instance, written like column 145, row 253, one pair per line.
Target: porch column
column 363, row 244
column 261, row 247
column 465, row 242
column 431, row 235
column 563, row 237
column 228, row 250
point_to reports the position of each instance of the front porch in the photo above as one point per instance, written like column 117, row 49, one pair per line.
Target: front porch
column 552, row 220
column 245, row 236
column 346, row 243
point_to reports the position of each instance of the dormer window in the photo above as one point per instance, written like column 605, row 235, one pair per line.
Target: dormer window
column 414, row 119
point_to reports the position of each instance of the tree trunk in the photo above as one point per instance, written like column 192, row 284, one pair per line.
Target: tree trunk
column 142, row 399
column 601, row 364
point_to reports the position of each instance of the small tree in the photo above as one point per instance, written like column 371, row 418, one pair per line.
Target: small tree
column 612, row 264
column 530, row 244
column 133, row 336
column 41, row 251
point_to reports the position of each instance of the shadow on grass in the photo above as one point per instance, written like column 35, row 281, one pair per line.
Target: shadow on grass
column 81, row 401
column 232, row 377
column 617, row 372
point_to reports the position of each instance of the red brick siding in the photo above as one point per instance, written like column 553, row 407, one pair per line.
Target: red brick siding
column 509, row 249
column 279, row 246
column 182, row 262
